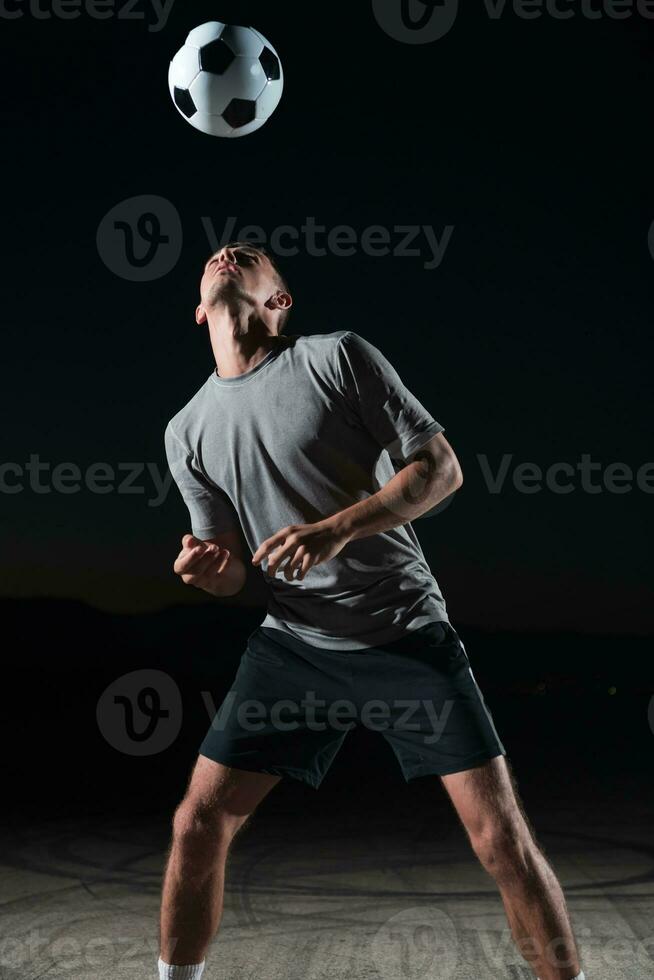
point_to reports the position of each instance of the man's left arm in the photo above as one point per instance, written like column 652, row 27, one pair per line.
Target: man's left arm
column 431, row 474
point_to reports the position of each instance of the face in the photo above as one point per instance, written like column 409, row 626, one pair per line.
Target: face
column 236, row 274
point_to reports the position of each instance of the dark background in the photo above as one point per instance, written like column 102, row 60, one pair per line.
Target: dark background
column 532, row 338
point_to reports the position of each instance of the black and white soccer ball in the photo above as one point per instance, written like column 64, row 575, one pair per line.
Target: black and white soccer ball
column 226, row 80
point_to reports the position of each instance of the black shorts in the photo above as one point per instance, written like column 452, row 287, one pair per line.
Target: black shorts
column 291, row 705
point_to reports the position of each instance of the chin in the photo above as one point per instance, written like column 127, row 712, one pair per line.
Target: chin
column 223, row 289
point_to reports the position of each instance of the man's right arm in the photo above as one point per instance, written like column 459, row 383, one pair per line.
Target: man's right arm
column 214, row 565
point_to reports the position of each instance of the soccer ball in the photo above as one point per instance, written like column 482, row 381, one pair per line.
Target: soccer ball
column 225, row 80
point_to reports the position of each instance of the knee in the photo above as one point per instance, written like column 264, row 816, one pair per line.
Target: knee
column 505, row 849
column 197, row 826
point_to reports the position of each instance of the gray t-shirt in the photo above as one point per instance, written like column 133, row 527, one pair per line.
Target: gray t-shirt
column 307, row 432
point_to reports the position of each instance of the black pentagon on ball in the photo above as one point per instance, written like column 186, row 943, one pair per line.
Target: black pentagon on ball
column 239, row 112
column 184, row 102
column 216, row 57
column 270, row 64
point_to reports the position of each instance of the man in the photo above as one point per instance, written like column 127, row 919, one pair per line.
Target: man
column 290, row 443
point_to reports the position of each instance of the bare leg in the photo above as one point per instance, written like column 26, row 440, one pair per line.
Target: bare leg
column 487, row 802
column 217, row 804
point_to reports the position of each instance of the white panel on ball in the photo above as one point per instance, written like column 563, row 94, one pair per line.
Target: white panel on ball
column 205, row 33
column 268, row 100
column 246, row 77
column 263, row 40
column 183, row 68
column 209, row 90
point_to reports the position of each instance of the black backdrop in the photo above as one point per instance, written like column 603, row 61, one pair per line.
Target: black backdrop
column 530, row 140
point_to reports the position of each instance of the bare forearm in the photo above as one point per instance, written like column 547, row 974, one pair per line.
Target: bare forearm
column 417, row 488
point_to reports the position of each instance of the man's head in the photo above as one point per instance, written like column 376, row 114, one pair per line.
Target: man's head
column 241, row 273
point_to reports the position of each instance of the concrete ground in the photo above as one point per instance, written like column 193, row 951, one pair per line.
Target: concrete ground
column 320, row 895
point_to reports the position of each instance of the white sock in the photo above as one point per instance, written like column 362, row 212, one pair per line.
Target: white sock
column 169, row 972
column 580, row 976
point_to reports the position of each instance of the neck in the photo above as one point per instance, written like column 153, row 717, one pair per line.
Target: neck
column 239, row 340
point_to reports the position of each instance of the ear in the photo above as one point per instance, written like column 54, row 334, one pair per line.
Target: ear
column 280, row 301
column 200, row 315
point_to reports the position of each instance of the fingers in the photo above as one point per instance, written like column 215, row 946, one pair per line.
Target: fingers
column 207, row 563
column 189, row 557
column 303, row 565
column 301, row 562
column 295, row 563
column 212, row 565
column 211, row 569
column 284, row 551
column 201, row 560
column 279, row 548
column 269, row 545
column 265, row 547
column 222, row 560
column 306, row 565
column 289, row 568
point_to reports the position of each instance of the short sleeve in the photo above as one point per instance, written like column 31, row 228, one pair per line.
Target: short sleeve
column 393, row 416
column 210, row 509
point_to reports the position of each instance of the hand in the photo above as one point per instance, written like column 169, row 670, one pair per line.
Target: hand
column 200, row 563
column 305, row 545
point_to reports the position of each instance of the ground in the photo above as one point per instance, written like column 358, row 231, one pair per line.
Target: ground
column 333, row 891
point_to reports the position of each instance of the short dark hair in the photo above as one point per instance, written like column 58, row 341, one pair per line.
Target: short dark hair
column 280, row 278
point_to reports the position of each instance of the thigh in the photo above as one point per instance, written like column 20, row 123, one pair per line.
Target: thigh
column 214, row 787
